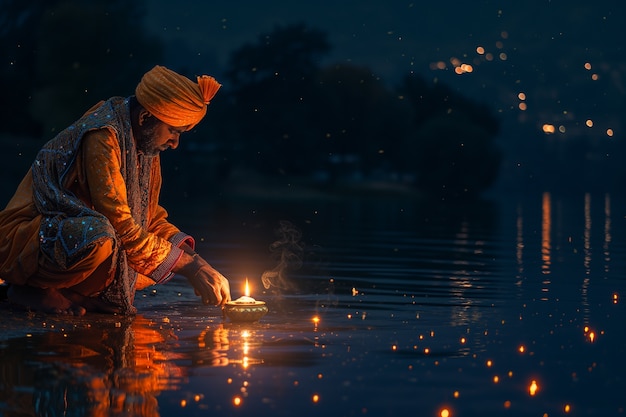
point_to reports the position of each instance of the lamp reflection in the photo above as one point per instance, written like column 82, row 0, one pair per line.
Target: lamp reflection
column 223, row 346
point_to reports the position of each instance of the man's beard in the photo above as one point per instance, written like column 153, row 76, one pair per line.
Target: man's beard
column 145, row 141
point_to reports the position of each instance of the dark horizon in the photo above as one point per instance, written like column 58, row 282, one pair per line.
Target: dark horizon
column 551, row 71
column 566, row 57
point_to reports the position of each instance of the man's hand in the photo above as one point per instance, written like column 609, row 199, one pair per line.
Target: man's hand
column 210, row 285
column 205, row 280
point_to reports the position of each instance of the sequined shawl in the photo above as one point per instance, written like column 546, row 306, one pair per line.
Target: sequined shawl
column 68, row 226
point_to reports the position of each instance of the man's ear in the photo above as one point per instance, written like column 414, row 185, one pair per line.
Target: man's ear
column 143, row 116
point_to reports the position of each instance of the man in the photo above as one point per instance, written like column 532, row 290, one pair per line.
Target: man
column 84, row 229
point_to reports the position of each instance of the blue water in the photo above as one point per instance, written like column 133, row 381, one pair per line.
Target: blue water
column 387, row 306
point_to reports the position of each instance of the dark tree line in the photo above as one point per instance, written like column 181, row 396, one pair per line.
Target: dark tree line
column 341, row 122
column 280, row 114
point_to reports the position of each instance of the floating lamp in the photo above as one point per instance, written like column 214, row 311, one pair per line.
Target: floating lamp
column 245, row 308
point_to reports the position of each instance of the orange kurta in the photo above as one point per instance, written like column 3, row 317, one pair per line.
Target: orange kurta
column 96, row 178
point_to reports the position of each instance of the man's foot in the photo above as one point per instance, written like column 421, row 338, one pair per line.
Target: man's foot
column 91, row 304
column 46, row 300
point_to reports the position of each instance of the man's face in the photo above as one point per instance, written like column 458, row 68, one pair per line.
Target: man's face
column 155, row 136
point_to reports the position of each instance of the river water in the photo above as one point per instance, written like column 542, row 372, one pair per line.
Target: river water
column 378, row 306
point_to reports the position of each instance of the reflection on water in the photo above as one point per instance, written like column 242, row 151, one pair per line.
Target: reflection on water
column 106, row 368
column 546, row 233
column 394, row 307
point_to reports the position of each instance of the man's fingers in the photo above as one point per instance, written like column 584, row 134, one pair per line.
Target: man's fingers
column 224, row 290
column 211, row 286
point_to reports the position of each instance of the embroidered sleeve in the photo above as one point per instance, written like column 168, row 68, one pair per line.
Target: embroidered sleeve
column 164, row 272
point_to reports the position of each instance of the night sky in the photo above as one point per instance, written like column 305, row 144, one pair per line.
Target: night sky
column 566, row 57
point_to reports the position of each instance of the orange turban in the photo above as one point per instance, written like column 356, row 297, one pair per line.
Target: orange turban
column 173, row 98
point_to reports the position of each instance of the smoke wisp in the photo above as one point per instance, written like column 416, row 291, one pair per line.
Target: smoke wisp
column 287, row 252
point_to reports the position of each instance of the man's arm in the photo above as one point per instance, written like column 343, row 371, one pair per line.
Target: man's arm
column 147, row 253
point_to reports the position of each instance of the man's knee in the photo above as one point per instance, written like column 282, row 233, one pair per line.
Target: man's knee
column 97, row 257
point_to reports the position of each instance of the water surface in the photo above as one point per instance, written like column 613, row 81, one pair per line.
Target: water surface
column 384, row 306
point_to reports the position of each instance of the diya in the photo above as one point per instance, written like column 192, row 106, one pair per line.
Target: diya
column 245, row 308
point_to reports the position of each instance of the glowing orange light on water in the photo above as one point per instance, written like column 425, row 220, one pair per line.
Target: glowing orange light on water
column 316, row 320
column 463, row 68
column 445, row 413
column 567, row 408
column 521, row 349
column 548, row 128
column 533, row 388
column 590, row 334
column 237, row 401
column 316, row 398
column 615, row 298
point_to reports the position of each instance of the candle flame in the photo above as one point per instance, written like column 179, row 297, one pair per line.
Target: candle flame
column 247, row 289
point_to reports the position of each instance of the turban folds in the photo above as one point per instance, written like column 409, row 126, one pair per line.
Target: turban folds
column 173, row 98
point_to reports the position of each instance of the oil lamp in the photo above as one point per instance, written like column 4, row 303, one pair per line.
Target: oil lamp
column 245, row 308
